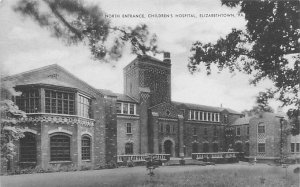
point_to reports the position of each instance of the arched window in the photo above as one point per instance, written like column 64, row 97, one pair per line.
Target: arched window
column 205, row 148
column 215, row 147
column 195, row 148
column 60, row 148
column 28, row 148
column 129, row 148
column 85, row 147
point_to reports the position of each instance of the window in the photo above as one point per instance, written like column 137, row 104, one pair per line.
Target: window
column 201, row 116
column 86, row 148
column 292, row 147
column 28, row 148
column 60, row 148
column 197, row 115
column 192, row 114
column 261, row 128
column 205, row 116
column 209, row 116
column 131, row 109
column 118, row 108
column 238, row 131
column 174, row 129
column 213, row 117
column 29, row 101
column 129, row 148
column 84, row 107
column 295, row 147
column 248, row 130
column 215, row 147
column 168, row 130
column 59, row 102
column 218, row 117
column 125, row 108
column 261, row 148
column 128, row 128
column 205, row 131
column 195, row 131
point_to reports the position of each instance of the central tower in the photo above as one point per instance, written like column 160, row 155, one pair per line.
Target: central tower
column 149, row 73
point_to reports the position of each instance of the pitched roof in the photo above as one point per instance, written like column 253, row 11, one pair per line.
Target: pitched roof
column 242, row 121
column 126, row 98
column 205, row 107
column 107, row 92
column 48, row 81
column 46, row 68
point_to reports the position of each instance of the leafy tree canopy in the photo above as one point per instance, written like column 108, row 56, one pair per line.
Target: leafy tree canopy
column 9, row 131
column 267, row 49
column 76, row 22
column 262, row 105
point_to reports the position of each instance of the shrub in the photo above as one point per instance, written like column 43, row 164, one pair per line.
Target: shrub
column 111, row 164
column 130, row 163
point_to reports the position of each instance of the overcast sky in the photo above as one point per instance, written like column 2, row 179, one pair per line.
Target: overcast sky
column 24, row 46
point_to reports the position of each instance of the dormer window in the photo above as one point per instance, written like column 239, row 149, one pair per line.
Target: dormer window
column 126, row 108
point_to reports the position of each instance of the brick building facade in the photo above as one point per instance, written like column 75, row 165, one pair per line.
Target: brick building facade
column 70, row 122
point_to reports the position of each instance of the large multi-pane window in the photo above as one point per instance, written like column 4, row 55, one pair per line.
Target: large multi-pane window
column 261, row 147
column 59, row 102
column 28, row 148
column 29, row 101
column 203, row 116
column 126, row 108
column 84, row 106
column 86, row 148
column 60, row 148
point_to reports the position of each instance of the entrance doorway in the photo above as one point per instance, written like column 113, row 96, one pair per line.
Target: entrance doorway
column 168, row 146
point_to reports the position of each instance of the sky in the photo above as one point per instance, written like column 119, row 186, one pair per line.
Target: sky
column 25, row 46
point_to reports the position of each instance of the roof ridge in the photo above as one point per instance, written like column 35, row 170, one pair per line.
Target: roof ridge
column 30, row 71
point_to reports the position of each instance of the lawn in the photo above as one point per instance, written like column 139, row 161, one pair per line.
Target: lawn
column 219, row 175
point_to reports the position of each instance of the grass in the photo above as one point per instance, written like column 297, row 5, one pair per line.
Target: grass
column 215, row 176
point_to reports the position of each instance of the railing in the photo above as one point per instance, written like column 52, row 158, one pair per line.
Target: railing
column 142, row 158
column 215, row 155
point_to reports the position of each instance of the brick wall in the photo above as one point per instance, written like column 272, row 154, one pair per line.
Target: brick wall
column 123, row 137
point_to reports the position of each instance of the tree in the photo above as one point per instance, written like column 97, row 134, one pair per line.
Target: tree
column 262, row 105
column 9, row 131
column 75, row 22
column 267, row 49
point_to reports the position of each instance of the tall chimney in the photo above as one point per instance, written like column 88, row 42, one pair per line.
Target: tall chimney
column 167, row 57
